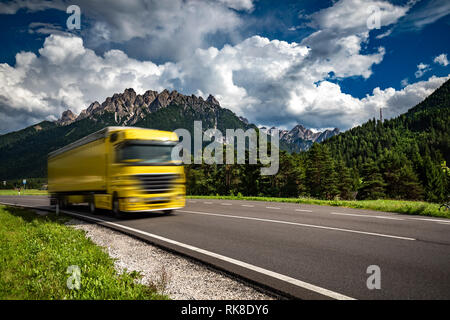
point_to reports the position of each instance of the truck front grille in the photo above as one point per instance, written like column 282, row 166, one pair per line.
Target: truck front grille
column 157, row 183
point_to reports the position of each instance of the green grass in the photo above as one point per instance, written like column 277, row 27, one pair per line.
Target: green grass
column 35, row 252
column 27, row 192
column 398, row 206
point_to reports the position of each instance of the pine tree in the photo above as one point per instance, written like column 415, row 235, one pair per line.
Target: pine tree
column 435, row 183
column 321, row 176
column 344, row 181
column 409, row 186
column 373, row 185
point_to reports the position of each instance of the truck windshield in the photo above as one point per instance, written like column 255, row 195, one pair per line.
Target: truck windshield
column 143, row 154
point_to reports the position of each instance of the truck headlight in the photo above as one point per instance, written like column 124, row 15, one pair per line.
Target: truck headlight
column 133, row 200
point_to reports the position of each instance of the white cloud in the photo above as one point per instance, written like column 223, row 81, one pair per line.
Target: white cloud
column 421, row 69
column 239, row 4
column 441, row 59
column 257, row 78
column 385, row 34
column 404, row 82
column 267, row 81
column 166, row 30
column 66, row 75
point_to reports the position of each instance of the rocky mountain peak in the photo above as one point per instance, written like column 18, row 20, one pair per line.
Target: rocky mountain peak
column 129, row 107
column 67, row 117
column 211, row 99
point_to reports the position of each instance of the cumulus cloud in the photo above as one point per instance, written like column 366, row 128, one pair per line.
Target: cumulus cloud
column 269, row 82
column 249, row 78
column 441, row 59
column 66, row 75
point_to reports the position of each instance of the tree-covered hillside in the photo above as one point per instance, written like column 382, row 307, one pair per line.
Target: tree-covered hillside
column 414, row 146
column 402, row 158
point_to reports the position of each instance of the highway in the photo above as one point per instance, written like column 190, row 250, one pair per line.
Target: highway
column 302, row 251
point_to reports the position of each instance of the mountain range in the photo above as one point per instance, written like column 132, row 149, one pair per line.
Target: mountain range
column 300, row 138
column 130, row 108
column 24, row 152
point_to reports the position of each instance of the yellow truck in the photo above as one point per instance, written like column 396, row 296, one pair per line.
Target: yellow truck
column 122, row 169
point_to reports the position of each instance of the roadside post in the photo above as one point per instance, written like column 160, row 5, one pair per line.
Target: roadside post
column 24, row 185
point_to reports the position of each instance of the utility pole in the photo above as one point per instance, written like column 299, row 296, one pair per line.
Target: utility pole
column 381, row 114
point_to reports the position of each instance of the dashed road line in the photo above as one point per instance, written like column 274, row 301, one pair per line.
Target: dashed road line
column 365, row 216
column 430, row 220
column 300, row 225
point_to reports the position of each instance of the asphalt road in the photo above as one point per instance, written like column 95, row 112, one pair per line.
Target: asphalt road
column 306, row 251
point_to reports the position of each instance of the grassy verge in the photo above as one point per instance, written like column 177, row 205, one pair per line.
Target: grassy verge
column 398, row 206
column 27, row 192
column 36, row 251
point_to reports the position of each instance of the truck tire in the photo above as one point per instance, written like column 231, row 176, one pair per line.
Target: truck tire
column 92, row 209
column 116, row 209
column 57, row 207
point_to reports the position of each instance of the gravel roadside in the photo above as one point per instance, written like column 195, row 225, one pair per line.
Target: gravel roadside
column 178, row 277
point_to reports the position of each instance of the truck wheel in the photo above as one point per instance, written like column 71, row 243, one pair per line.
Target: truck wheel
column 92, row 205
column 57, row 208
column 116, row 209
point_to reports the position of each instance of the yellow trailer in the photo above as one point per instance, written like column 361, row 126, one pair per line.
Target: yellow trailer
column 123, row 169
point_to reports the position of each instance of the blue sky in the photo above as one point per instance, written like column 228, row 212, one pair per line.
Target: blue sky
column 279, row 63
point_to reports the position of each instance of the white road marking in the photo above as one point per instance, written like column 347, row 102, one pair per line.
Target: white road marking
column 365, row 216
column 247, row 205
column 226, row 204
column 447, row 223
column 192, row 201
column 431, row 220
column 303, row 210
column 300, row 224
column 276, row 208
column 207, row 202
column 296, row 282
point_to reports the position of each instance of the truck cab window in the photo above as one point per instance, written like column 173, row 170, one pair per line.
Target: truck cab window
column 145, row 154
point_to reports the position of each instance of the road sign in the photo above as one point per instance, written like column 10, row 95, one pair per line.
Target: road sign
column 24, row 181
column 4, row 183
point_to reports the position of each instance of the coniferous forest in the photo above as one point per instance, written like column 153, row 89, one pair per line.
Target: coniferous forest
column 402, row 158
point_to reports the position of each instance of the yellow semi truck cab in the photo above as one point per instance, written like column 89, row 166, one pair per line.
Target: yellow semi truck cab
column 122, row 169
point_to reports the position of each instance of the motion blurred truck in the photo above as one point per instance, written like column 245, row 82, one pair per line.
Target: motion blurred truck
column 122, row 169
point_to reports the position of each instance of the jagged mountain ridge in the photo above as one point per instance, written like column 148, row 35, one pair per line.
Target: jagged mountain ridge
column 130, row 108
column 300, row 138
